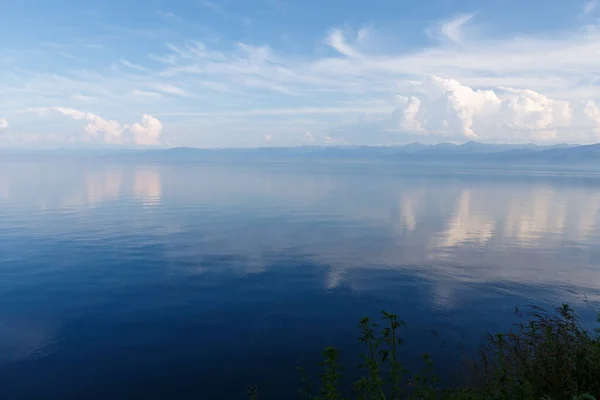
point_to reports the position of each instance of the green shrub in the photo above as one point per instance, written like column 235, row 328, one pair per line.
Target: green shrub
column 552, row 355
column 549, row 356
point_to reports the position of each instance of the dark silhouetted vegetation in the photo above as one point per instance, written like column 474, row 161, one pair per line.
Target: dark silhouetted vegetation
column 546, row 355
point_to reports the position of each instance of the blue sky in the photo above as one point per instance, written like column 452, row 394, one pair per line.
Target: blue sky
column 240, row 73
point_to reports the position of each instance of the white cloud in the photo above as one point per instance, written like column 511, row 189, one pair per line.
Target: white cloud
column 589, row 7
column 454, row 29
column 336, row 41
column 82, row 98
column 289, row 111
column 169, row 89
column 268, row 138
column 133, row 66
column 3, row 123
column 445, row 107
column 231, row 86
column 335, row 141
column 562, row 63
column 146, row 132
column 362, row 34
column 109, row 131
column 145, row 93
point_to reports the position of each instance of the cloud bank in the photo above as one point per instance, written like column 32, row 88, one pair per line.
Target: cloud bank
column 147, row 132
column 445, row 107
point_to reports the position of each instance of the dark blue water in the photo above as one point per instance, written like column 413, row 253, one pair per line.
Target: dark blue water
column 124, row 280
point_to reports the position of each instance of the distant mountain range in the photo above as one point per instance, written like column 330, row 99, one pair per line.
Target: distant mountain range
column 470, row 152
column 413, row 153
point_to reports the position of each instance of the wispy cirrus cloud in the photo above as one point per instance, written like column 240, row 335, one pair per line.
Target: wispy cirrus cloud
column 219, row 9
column 589, row 7
column 133, row 66
column 336, row 40
column 169, row 89
column 452, row 29
column 146, row 94
column 82, row 97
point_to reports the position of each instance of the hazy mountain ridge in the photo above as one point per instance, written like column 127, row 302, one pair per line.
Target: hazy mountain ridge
column 413, row 152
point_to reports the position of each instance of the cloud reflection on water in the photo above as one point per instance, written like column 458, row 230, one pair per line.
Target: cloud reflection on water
column 526, row 229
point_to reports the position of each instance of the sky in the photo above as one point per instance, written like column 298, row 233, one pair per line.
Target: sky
column 255, row 73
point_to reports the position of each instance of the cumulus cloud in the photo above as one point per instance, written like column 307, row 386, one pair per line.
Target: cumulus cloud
column 3, row 123
column 445, row 107
column 146, row 132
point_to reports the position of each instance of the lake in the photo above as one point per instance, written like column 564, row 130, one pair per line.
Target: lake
column 128, row 280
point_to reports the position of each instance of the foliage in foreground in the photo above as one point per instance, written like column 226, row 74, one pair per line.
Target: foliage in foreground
column 550, row 356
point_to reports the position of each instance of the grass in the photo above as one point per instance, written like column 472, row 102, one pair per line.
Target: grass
column 547, row 355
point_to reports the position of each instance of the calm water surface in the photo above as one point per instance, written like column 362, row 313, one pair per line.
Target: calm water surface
column 125, row 280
